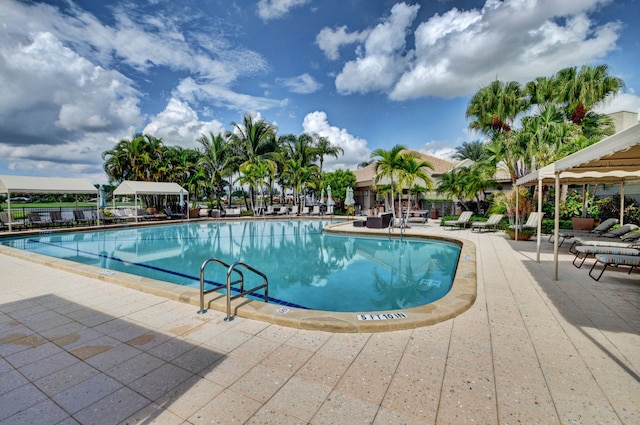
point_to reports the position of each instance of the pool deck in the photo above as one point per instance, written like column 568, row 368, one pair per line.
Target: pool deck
column 79, row 349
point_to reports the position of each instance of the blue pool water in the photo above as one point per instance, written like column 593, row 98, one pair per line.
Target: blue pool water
column 306, row 268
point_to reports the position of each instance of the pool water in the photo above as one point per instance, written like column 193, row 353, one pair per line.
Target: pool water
column 306, row 268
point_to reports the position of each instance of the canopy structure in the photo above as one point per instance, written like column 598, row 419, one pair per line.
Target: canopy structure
column 615, row 159
column 136, row 188
column 28, row 184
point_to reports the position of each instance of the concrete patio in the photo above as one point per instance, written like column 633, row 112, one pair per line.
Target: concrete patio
column 530, row 350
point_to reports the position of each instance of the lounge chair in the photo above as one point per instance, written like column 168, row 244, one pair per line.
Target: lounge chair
column 622, row 237
column 305, row 211
column 283, row 210
column 598, row 230
column 173, row 215
column 585, row 251
column 80, row 217
column 10, row 220
column 232, row 212
column 316, row 210
column 56, row 218
column 293, row 210
column 462, row 220
column 606, row 260
column 491, row 224
column 532, row 221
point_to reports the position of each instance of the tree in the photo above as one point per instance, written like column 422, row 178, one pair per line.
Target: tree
column 388, row 165
column 470, row 150
column 323, row 147
column 215, row 161
column 495, row 107
column 410, row 172
column 339, row 180
column 252, row 140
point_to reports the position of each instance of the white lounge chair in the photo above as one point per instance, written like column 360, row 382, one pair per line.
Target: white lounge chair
column 491, row 224
column 462, row 220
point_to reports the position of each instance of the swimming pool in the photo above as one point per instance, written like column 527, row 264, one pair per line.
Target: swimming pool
column 307, row 268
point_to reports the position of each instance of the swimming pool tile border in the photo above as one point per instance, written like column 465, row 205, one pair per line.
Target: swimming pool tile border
column 460, row 298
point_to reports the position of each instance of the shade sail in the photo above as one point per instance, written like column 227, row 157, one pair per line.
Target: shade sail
column 28, row 184
column 614, row 159
column 129, row 187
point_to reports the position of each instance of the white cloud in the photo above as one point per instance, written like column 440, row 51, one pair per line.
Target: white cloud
column 459, row 51
column 179, row 124
column 302, row 84
column 355, row 148
column 384, row 57
column 273, row 9
column 623, row 102
column 330, row 40
column 442, row 150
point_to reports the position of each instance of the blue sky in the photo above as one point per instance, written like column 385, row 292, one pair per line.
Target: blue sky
column 78, row 76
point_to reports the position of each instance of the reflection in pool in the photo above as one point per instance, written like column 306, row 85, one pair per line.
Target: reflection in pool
column 306, row 267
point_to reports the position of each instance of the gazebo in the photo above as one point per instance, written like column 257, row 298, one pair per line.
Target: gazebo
column 29, row 184
column 136, row 188
column 614, row 160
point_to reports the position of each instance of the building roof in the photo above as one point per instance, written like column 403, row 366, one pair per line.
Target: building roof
column 365, row 175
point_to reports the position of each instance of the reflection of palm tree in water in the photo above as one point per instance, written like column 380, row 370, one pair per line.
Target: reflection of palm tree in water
column 403, row 287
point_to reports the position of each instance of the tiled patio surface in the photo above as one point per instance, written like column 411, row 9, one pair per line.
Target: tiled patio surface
column 530, row 350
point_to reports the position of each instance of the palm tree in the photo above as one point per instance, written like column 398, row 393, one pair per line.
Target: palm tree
column 389, row 164
column 411, row 171
column 495, row 107
column 215, row 161
column 251, row 141
column 324, row 148
column 581, row 90
column 470, row 150
column 257, row 174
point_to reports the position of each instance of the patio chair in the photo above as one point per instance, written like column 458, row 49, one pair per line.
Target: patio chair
column 35, row 219
column 232, row 212
column 283, row 210
column 80, row 218
column 623, row 237
column 305, row 211
column 607, row 260
column 173, row 215
column 598, row 230
column 56, row 218
column 491, row 224
column 585, row 251
column 293, row 210
column 316, row 210
column 532, row 221
column 462, row 220
column 10, row 220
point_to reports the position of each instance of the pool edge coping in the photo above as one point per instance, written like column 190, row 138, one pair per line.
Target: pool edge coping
column 459, row 299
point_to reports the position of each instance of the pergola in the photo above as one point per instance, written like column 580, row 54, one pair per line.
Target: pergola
column 615, row 160
column 136, row 188
column 28, row 184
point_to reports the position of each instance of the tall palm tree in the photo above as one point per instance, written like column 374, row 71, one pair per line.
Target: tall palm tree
column 251, row 141
column 324, row 148
column 216, row 162
column 388, row 165
column 581, row 90
column 494, row 108
column 411, row 171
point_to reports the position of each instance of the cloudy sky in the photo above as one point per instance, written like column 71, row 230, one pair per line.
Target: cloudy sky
column 78, row 76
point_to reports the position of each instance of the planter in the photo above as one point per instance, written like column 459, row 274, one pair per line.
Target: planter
column 521, row 236
column 582, row 223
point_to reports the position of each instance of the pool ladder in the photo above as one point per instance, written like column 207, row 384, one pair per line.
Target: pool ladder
column 231, row 269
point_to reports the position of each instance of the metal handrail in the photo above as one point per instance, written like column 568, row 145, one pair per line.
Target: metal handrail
column 230, row 269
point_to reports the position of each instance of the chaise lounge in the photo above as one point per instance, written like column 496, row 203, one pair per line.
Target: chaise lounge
column 462, row 221
column 491, row 224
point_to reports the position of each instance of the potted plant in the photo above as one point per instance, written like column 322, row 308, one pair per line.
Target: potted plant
column 524, row 234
